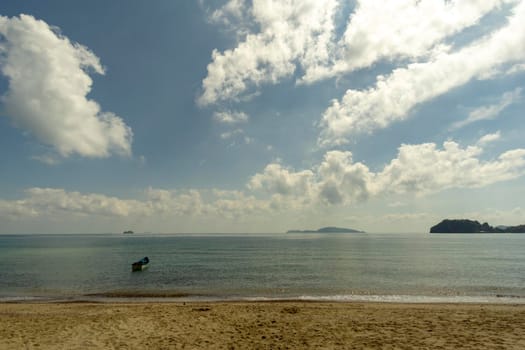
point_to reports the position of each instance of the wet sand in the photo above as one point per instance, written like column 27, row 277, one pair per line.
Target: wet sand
column 260, row 325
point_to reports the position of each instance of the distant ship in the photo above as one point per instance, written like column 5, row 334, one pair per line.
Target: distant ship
column 128, row 232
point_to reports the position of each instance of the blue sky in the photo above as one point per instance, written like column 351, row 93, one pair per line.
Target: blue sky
column 260, row 116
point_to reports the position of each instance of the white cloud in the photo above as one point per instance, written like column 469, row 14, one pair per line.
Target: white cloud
column 394, row 96
column 418, row 169
column 285, row 35
column 423, row 169
column 230, row 117
column 16, row 209
column 343, row 181
column 393, row 30
column 48, row 88
column 489, row 138
column 54, row 203
column 490, row 111
column 288, row 35
column 289, row 30
column 185, row 203
column 337, row 181
column 237, row 205
column 234, row 16
column 275, row 179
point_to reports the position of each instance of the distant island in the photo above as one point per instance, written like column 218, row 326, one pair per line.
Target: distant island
column 473, row 226
column 327, row 230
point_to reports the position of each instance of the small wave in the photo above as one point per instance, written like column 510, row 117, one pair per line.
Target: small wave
column 408, row 299
column 418, row 299
column 111, row 297
column 22, row 299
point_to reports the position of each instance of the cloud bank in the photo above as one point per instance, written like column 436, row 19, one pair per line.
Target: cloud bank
column 48, row 88
column 419, row 170
column 338, row 180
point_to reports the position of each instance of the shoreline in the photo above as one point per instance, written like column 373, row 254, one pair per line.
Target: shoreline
column 176, row 297
column 260, row 324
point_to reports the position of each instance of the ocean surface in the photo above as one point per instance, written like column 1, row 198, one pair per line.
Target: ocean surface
column 337, row 267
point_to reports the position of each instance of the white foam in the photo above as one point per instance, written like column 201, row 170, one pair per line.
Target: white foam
column 409, row 299
column 417, row 299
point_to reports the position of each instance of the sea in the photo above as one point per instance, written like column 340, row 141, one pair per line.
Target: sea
column 412, row 268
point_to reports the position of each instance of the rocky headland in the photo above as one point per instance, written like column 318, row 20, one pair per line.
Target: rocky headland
column 473, row 226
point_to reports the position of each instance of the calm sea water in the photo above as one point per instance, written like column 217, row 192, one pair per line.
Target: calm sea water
column 387, row 267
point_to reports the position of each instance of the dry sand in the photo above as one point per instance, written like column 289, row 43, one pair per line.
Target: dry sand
column 262, row 325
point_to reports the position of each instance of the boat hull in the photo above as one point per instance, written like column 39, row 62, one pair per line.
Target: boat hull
column 140, row 265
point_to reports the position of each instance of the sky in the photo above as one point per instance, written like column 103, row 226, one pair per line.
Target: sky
column 260, row 116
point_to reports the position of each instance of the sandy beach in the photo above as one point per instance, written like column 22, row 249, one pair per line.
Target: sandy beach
column 260, row 325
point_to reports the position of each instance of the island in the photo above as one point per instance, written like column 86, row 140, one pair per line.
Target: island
column 473, row 226
column 329, row 229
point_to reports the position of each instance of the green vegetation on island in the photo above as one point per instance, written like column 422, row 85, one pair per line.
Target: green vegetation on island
column 329, row 229
column 473, row 226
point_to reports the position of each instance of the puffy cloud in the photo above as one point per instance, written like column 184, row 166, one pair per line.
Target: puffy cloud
column 231, row 15
column 423, row 169
column 418, row 169
column 491, row 111
column 489, row 138
column 289, row 30
column 342, row 181
column 48, row 88
column 276, row 179
column 394, row 96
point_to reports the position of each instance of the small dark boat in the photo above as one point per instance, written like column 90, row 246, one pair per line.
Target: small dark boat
column 140, row 265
